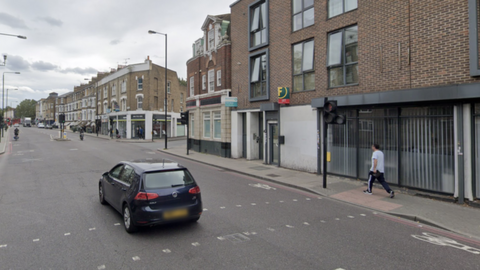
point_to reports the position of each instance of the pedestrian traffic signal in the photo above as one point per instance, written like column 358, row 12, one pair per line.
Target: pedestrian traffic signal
column 184, row 118
column 330, row 114
column 62, row 118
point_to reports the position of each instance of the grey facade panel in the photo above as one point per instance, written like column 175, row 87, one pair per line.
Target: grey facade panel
column 441, row 93
column 267, row 107
column 473, row 37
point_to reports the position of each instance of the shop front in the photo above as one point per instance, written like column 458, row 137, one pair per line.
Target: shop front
column 120, row 122
column 159, row 127
column 137, row 124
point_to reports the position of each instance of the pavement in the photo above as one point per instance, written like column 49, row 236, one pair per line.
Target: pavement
column 51, row 218
column 462, row 219
column 106, row 137
column 5, row 142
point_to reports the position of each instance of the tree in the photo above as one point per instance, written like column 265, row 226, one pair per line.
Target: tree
column 182, row 81
column 26, row 108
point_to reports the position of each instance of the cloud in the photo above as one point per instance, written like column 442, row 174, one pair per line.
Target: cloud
column 51, row 21
column 11, row 21
column 115, row 42
column 17, row 63
column 44, row 66
column 81, row 71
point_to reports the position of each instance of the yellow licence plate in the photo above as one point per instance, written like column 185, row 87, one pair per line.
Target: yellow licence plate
column 175, row 214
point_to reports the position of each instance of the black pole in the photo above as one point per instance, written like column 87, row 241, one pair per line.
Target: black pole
column 188, row 132
column 166, row 104
column 325, row 134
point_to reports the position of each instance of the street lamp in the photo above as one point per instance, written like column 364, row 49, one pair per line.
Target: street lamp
column 7, row 95
column 22, row 37
column 3, row 94
column 166, row 105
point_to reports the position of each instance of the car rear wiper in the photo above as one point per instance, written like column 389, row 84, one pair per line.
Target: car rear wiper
column 178, row 185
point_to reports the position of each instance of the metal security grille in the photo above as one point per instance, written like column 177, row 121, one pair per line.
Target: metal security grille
column 477, row 150
column 343, row 147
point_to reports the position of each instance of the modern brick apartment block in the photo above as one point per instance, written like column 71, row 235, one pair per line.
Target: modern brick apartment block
column 405, row 73
column 209, row 87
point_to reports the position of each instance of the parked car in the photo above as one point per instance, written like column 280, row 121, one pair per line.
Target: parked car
column 54, row 126
column 151, row 192
column 40, row 125
column 16, row 125
column 48, row 126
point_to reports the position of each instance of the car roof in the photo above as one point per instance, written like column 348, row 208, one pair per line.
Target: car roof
column 153, row 165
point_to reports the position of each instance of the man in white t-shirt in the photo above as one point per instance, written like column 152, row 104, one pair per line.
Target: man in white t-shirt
column 377, row 171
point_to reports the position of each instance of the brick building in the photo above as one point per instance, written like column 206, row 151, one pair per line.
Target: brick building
column 45, row 109
column 405, row 73
column 133, row 96
column 209, row 83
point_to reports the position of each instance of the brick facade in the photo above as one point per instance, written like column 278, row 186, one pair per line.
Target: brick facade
column 401, row 45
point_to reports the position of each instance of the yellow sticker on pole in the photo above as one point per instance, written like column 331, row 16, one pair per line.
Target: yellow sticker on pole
column 329, row 157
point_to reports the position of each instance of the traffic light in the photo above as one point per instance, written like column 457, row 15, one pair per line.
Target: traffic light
column 8, row 120
column 62, row 118
column 330, row 114
column 1, row 119
column 184, row 118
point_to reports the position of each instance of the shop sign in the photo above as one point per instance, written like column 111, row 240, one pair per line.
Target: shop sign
column 138, row 117
column 231, row 102
column 283, row 95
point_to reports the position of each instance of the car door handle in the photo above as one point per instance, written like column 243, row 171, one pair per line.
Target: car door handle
column 124, row 189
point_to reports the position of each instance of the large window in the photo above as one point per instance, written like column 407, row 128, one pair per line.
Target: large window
column 337, row 7
column 343, row 57
column 168, row 87
column 204, row 82
column 258, row 24
column 217, row 125
column 206, row 125
column 303, row 66
column 124, row 105
column 114, row 90
column 259, row 77
column 192, row 125
column 105, row 92
column 140, row 83
column 139, row 102
column 124, row 86
column 211, row 39
column 192, row 86
column 303, row 14
column 211, row 80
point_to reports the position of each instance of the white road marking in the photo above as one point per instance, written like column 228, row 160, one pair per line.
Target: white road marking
column 351, row 216
column 420, row 226
column 92, row 229
column 267, row 203
column 36, row 240
column 339, row 269
column 306, row 223
column 74, row 149
column 289, row 226
column 281, row 201
column 151, row 153
column 101, row 267
column 3, row 246
column 222, row 207
column 167, row 251
column 116, row 224
column 363, row 215
column 253, row 204
column 30, row 159
column 375, row 213
column 66, row 234
column 246, row 233
column 444, row 241
column 253, row 233
column 196, row 244
column 319, row 198
column 221, row 238
column 308, row 199
column 271, row 229
column 337, row 219
column 238, row 205
column 295, row 200
column 136, row 258
column 205, row 209
column 267, row 187
column 322, row 221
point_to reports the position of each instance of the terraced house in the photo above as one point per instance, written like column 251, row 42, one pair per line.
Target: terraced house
column 209, row 82
column 405, row 73
column 132, row 97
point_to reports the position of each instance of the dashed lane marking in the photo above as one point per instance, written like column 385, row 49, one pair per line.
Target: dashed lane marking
column 267, row 202
column 253, row 204
column 196, row 244
column 136, row 258
column 281, row 201
column 67, row 234
column 289, row 226
column 74, row 149
column 222, row 207
column 167, row 251
column 101, row 267
column 205, row 209
column 238, row 205
column 3, row 246
column 337, row 219
column 308, row 199
column 295, row 200
column 36, row 240
column 271, row 229
column 351, row 217
column 92, row 229
column 322, row 221
column 116, row 224
column 306, row 223
column 363, row 215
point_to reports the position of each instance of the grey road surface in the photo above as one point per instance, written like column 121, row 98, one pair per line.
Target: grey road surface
column 50, row 218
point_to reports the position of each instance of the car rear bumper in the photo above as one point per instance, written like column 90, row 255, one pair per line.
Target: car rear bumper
column 146, row 216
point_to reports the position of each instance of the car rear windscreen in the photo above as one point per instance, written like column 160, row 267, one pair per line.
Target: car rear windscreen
column 167, row 179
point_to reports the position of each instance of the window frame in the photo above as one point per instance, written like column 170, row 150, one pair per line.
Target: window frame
column 215, row 119
column 138, row 102
column 192, row 86
column 342, row 55
column 267, row 27
column 253, row 56
column 303, row 72
column 192, row 125
column 139, row 83
column 211, row 81
column 219, row 77
column 343, row 9
column 124, row 87
column 204, row 82
column 169, row 83
column 209, row 124
column 302, row 11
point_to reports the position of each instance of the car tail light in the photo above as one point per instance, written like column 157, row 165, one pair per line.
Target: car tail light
column 195, row 190
column 143, row 196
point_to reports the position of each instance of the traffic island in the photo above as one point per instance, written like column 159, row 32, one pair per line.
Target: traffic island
column 61, row 140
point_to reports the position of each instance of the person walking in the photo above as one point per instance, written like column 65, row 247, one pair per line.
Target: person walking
column 377, row 171
column 141, row 133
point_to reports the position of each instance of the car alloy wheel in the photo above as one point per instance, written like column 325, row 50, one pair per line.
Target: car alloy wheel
column 101, row 194
column 127, row 220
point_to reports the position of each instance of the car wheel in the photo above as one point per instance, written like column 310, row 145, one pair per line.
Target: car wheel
column 101, row 195
column 194, row 219
column 128, row 220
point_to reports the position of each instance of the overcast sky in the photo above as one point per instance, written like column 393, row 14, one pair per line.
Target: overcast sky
column 68, row 41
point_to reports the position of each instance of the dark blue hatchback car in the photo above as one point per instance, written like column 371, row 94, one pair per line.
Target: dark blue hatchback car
column 151, row 192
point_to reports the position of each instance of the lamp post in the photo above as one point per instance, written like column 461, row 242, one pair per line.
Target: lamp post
column 6, row 100
column 3, row 94
column 21, row 37
column 165, row 103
